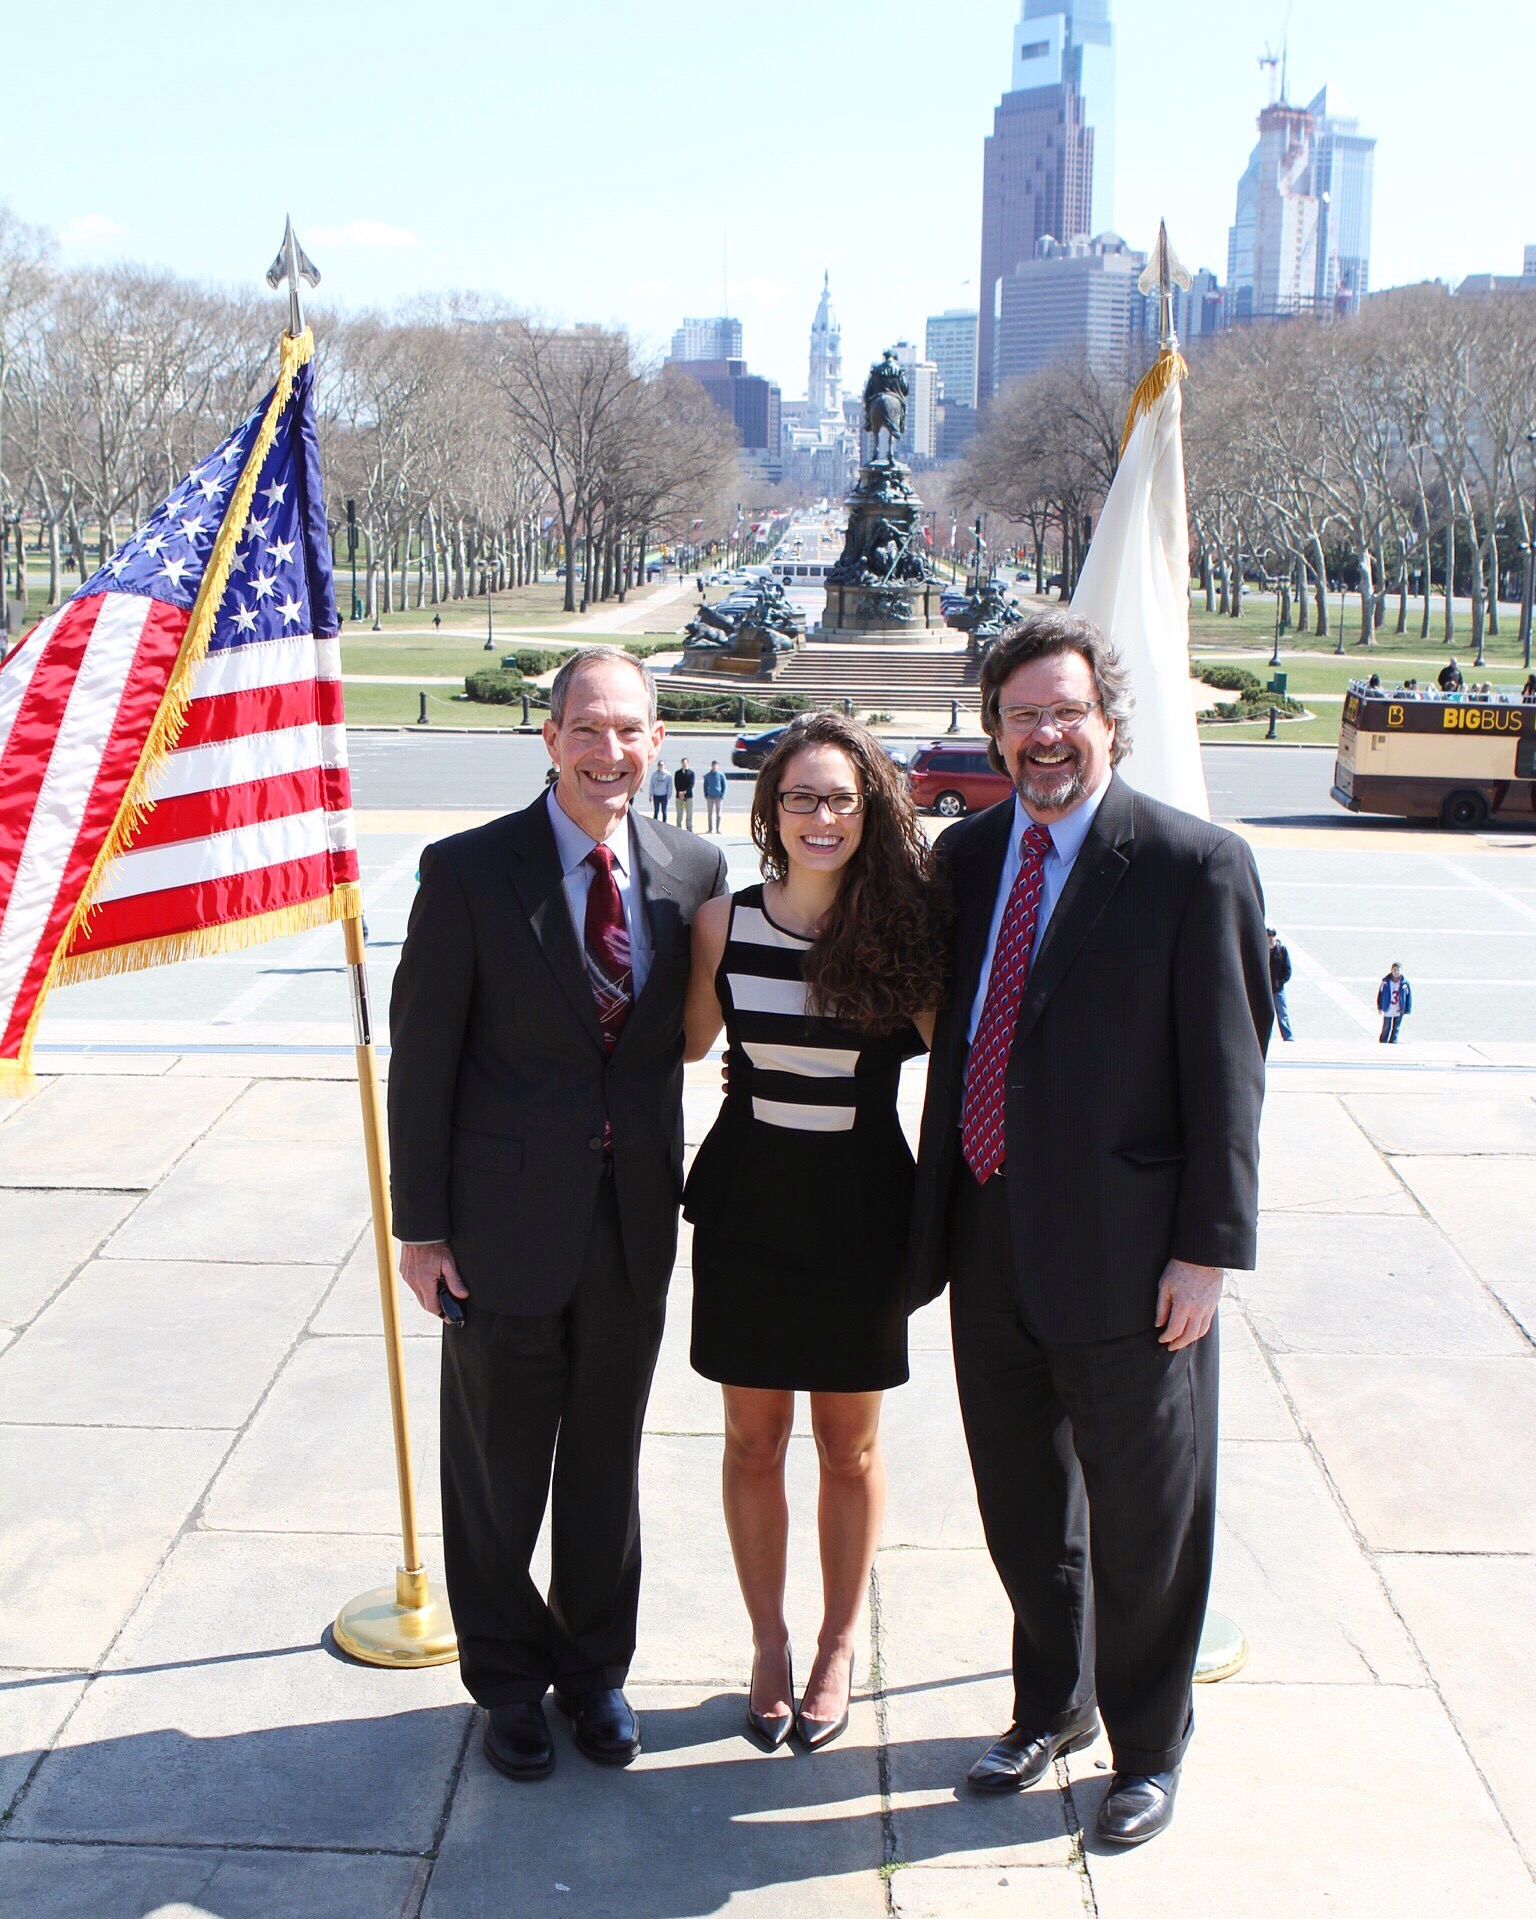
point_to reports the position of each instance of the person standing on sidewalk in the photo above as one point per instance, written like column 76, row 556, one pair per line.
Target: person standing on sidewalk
column 714, row 795
column 1394, row 1002
column 1279, row 974
column 682, row 785
column 537, row 1026
column 661, row 791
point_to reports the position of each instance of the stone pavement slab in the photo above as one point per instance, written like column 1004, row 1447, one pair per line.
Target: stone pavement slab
column 1295, row 1801
column 114, row 1134
column 352, row 1305
column 1429, row 1122
column 317, row 1457
column 1472, row 1615
column 86, row 1513
column 283, row 1201
column 1252, row 1405
column 158, row 1343
column 33, row 1706
column 44, row 1238
column 1288, row 1567
column 1430, row 1455
column 1485, row 1206
column 1327, row 1284
column 982, row 1892
column 222, row 1719
column 1314, row 1158
column 701, row 1821
column 156, row 1882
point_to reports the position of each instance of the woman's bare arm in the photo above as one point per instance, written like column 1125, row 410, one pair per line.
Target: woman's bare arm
column 702, row 1018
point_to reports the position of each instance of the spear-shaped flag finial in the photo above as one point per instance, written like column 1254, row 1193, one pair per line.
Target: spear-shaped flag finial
column 292, row 264
column 1162, row 273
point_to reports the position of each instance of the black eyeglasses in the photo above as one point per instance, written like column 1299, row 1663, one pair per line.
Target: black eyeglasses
column 800, row 799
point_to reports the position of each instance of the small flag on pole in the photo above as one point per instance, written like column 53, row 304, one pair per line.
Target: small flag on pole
column 173, row 768
column 1134, row 585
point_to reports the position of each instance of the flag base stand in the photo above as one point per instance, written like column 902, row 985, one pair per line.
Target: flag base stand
column 405, row 1625
column 1223, row 1649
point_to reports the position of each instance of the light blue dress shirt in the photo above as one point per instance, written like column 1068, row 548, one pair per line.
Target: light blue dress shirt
column 1067, row 836
column 572, row 845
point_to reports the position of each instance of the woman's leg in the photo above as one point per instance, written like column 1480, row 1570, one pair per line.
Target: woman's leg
column 852, row 1504
column 757, row 1429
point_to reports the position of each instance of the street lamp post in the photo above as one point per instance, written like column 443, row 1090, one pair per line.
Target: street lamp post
column 490, row 635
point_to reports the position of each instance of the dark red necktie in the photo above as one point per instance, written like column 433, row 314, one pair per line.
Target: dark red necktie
column 607, row 941
column 983, row 1138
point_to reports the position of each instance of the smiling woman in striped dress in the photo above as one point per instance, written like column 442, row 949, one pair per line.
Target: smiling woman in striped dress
column 825, row 978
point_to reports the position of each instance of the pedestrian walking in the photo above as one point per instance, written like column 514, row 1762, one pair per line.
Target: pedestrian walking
column 682, row 786
column 1394, row 1002
column 1279, row 975
column 714, row 795
column 661, row 791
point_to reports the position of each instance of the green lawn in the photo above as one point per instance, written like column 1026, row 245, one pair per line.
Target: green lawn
column 1255, row 628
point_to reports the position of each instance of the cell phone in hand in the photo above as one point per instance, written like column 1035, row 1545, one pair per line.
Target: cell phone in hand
column 452, row 1307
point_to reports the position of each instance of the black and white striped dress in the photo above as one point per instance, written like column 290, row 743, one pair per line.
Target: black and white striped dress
column 801, row 1195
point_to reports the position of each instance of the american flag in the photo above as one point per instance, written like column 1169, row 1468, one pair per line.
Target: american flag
column 173, row 767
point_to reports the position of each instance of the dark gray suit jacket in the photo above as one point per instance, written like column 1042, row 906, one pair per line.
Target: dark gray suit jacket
column 499, row 1081
column 1137, row 1071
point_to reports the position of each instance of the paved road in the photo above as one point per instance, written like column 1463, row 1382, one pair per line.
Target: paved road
column 500, row 771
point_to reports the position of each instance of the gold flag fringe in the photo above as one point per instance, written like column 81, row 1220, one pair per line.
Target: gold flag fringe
column 137, row 804
column 1165, row 371
column 344, row 902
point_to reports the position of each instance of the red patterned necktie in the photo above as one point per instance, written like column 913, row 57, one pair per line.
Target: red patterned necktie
column 982, row 1131
column 607, row 941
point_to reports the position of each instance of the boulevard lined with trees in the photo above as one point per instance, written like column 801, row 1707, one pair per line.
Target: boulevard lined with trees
column 1391, row 453
column 481, row 446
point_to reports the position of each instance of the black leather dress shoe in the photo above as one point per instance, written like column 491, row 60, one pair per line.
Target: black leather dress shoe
column 770, row 1730
column 813, row 1734
column 603, row 1725
column 1137, row 1807
column 1021, row 1757
column 517, row 1741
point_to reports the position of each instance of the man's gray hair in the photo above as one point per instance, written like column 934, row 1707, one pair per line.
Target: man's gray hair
column 586, row 656
column 1041, row 635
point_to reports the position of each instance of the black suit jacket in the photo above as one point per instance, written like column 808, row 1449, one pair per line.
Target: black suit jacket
column 1137, row 1071
column 499, row 1082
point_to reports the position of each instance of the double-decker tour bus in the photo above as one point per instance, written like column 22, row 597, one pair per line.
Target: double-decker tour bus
column 1459, row 761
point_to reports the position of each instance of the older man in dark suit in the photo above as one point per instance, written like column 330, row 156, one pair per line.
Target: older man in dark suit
column 1089, row 1165
column 535, row 1109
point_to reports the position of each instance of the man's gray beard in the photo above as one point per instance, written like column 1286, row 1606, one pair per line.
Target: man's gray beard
column 1069, row 795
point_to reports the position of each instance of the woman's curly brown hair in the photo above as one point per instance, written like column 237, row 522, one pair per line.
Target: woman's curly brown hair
column 879, row 958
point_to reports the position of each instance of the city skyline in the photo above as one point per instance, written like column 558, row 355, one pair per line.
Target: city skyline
column 633, row 222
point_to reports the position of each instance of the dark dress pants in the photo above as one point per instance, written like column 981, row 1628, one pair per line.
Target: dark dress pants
column 547, row 1409
column 1095, row 1471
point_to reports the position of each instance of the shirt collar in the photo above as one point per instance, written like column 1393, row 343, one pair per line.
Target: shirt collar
column 573, row 843
column 1068, row 834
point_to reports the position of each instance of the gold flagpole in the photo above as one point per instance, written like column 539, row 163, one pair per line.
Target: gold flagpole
column 409, row 1624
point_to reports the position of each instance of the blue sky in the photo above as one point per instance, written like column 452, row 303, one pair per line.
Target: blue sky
column 594, row 160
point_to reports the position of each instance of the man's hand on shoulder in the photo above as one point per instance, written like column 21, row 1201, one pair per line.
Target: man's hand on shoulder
column 422, row 1266
column 1187, row 1298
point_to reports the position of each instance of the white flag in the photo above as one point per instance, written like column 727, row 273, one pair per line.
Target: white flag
column 1135, row 588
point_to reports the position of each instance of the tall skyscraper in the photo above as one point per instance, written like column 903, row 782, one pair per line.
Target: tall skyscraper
column 1301, row 239
column 920, row 440
column 1037, row 183
column 824, row 384
column 1073, row 301
column 1341, row 178
column 716, row 339
column 1072, row 42
column 949, row 340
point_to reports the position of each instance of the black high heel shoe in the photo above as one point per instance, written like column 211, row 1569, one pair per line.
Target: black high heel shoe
column 813, row 1734
column 770, row 1730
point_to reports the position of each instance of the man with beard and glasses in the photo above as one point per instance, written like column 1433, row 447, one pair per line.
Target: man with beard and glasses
column 1088, row 1167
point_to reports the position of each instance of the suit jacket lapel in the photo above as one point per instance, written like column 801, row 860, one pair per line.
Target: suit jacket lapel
column 540, row 885
column 663, row 911
column 1096, row 872
column 976, row 878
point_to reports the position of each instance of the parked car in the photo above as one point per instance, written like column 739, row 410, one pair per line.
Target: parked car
column 955, row 777
column 751, row 749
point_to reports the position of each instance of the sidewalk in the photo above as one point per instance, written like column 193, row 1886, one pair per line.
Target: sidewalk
column 196, row 1474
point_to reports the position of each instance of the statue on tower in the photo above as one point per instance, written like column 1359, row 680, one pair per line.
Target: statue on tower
column 885, row 402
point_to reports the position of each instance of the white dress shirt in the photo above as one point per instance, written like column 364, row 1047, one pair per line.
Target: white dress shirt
column 572, row 845
column 1067, row 836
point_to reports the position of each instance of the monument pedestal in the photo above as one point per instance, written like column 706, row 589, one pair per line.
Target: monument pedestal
column 882, row 587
